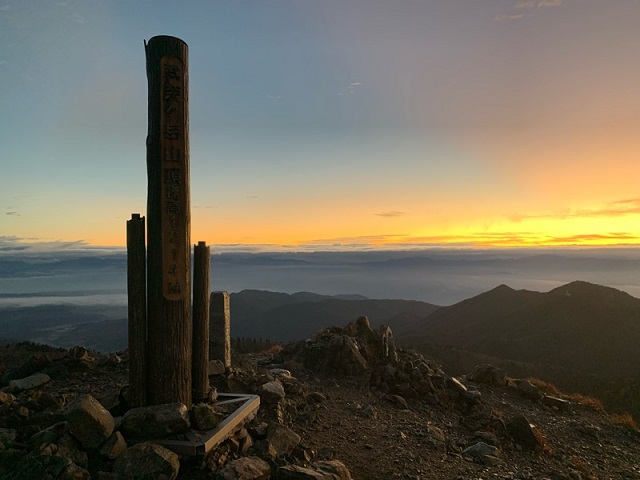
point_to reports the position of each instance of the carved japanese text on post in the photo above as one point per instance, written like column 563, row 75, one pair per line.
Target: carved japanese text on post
column 174, row 200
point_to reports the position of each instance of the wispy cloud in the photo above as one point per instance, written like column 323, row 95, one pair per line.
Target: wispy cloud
column 79, row 19
column 507, row 17
column 13, row 213
column 390, row 213
column 549, row 3
column 527, row 6
column 353, row 86
column 613, row 209
column 12, row 243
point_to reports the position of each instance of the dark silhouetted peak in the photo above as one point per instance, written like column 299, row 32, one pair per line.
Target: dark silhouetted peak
column 585, row 289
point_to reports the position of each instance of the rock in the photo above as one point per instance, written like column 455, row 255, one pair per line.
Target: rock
column 6, row 398
column 216, row 367
column 483, row 453
column 321, row 470
column 259, row 430
column 89, row 421
column 398, row 401
column 110, row 360
column 487, row 374
column 524, row 433
column 473, row 397
column 271, row 392
column 388, row 351
column 45, row 419
column 436, row 438
column 369, row 411
column 147, row 461
column 280, row 441
column 35, row 467
column 7, row 436
column 486, row 437
column 245, row 468
column 281, row 373
column 557, row 403
column 74, row 472
column 283, row 439
column 69, row 447
column 113, row 446
column 27, row 383
column 528, row 390
column 111, row 400
column 456, row 385
column 52, row 434
column 79, row 353
column 316, row 397
column 205, row 417
column 156, row 421
column 36, row 362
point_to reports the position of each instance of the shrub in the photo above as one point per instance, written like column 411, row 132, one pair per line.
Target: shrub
column 624, row 420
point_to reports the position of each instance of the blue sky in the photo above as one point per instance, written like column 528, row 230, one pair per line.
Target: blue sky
column 331, row 123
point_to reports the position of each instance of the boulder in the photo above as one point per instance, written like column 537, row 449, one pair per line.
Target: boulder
column 156, row 421
column 74, row 472
column 205, row 417
column 89, row 421
column 528, row 390
column 321, row 470
column 560, row 404
column 245, row 468
column 271, row 392
column 524, row 433
column 487, row 374
column 27, row 383
column 483, row 453
column 113, row 446
column 36, row 362
column 216, row 367
column 147, row 461
column 280, row 441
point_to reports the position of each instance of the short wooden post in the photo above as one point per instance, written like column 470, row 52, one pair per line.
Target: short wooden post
column 220, row 328
column 201, row 256
column 168, row 223
column 137, row 298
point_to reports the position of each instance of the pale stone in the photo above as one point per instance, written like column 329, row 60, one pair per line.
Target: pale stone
column 271, row 392
column 27, row 383
column 245, row 468
column 216, row 367
column 220, row 328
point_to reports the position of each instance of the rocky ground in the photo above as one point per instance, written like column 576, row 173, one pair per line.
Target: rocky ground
column 342, row 405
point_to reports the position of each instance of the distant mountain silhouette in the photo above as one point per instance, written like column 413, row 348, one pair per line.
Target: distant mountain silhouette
column 280, row 316
column 579, row 326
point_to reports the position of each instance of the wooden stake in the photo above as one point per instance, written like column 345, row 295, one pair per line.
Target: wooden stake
column 201, row 256
column 137, row 297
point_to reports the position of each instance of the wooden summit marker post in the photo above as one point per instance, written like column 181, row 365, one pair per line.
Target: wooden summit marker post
column 168, row 224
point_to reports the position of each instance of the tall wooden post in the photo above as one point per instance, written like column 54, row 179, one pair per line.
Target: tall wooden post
column 168, row 223
column 201, row 267
column 137, row 298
